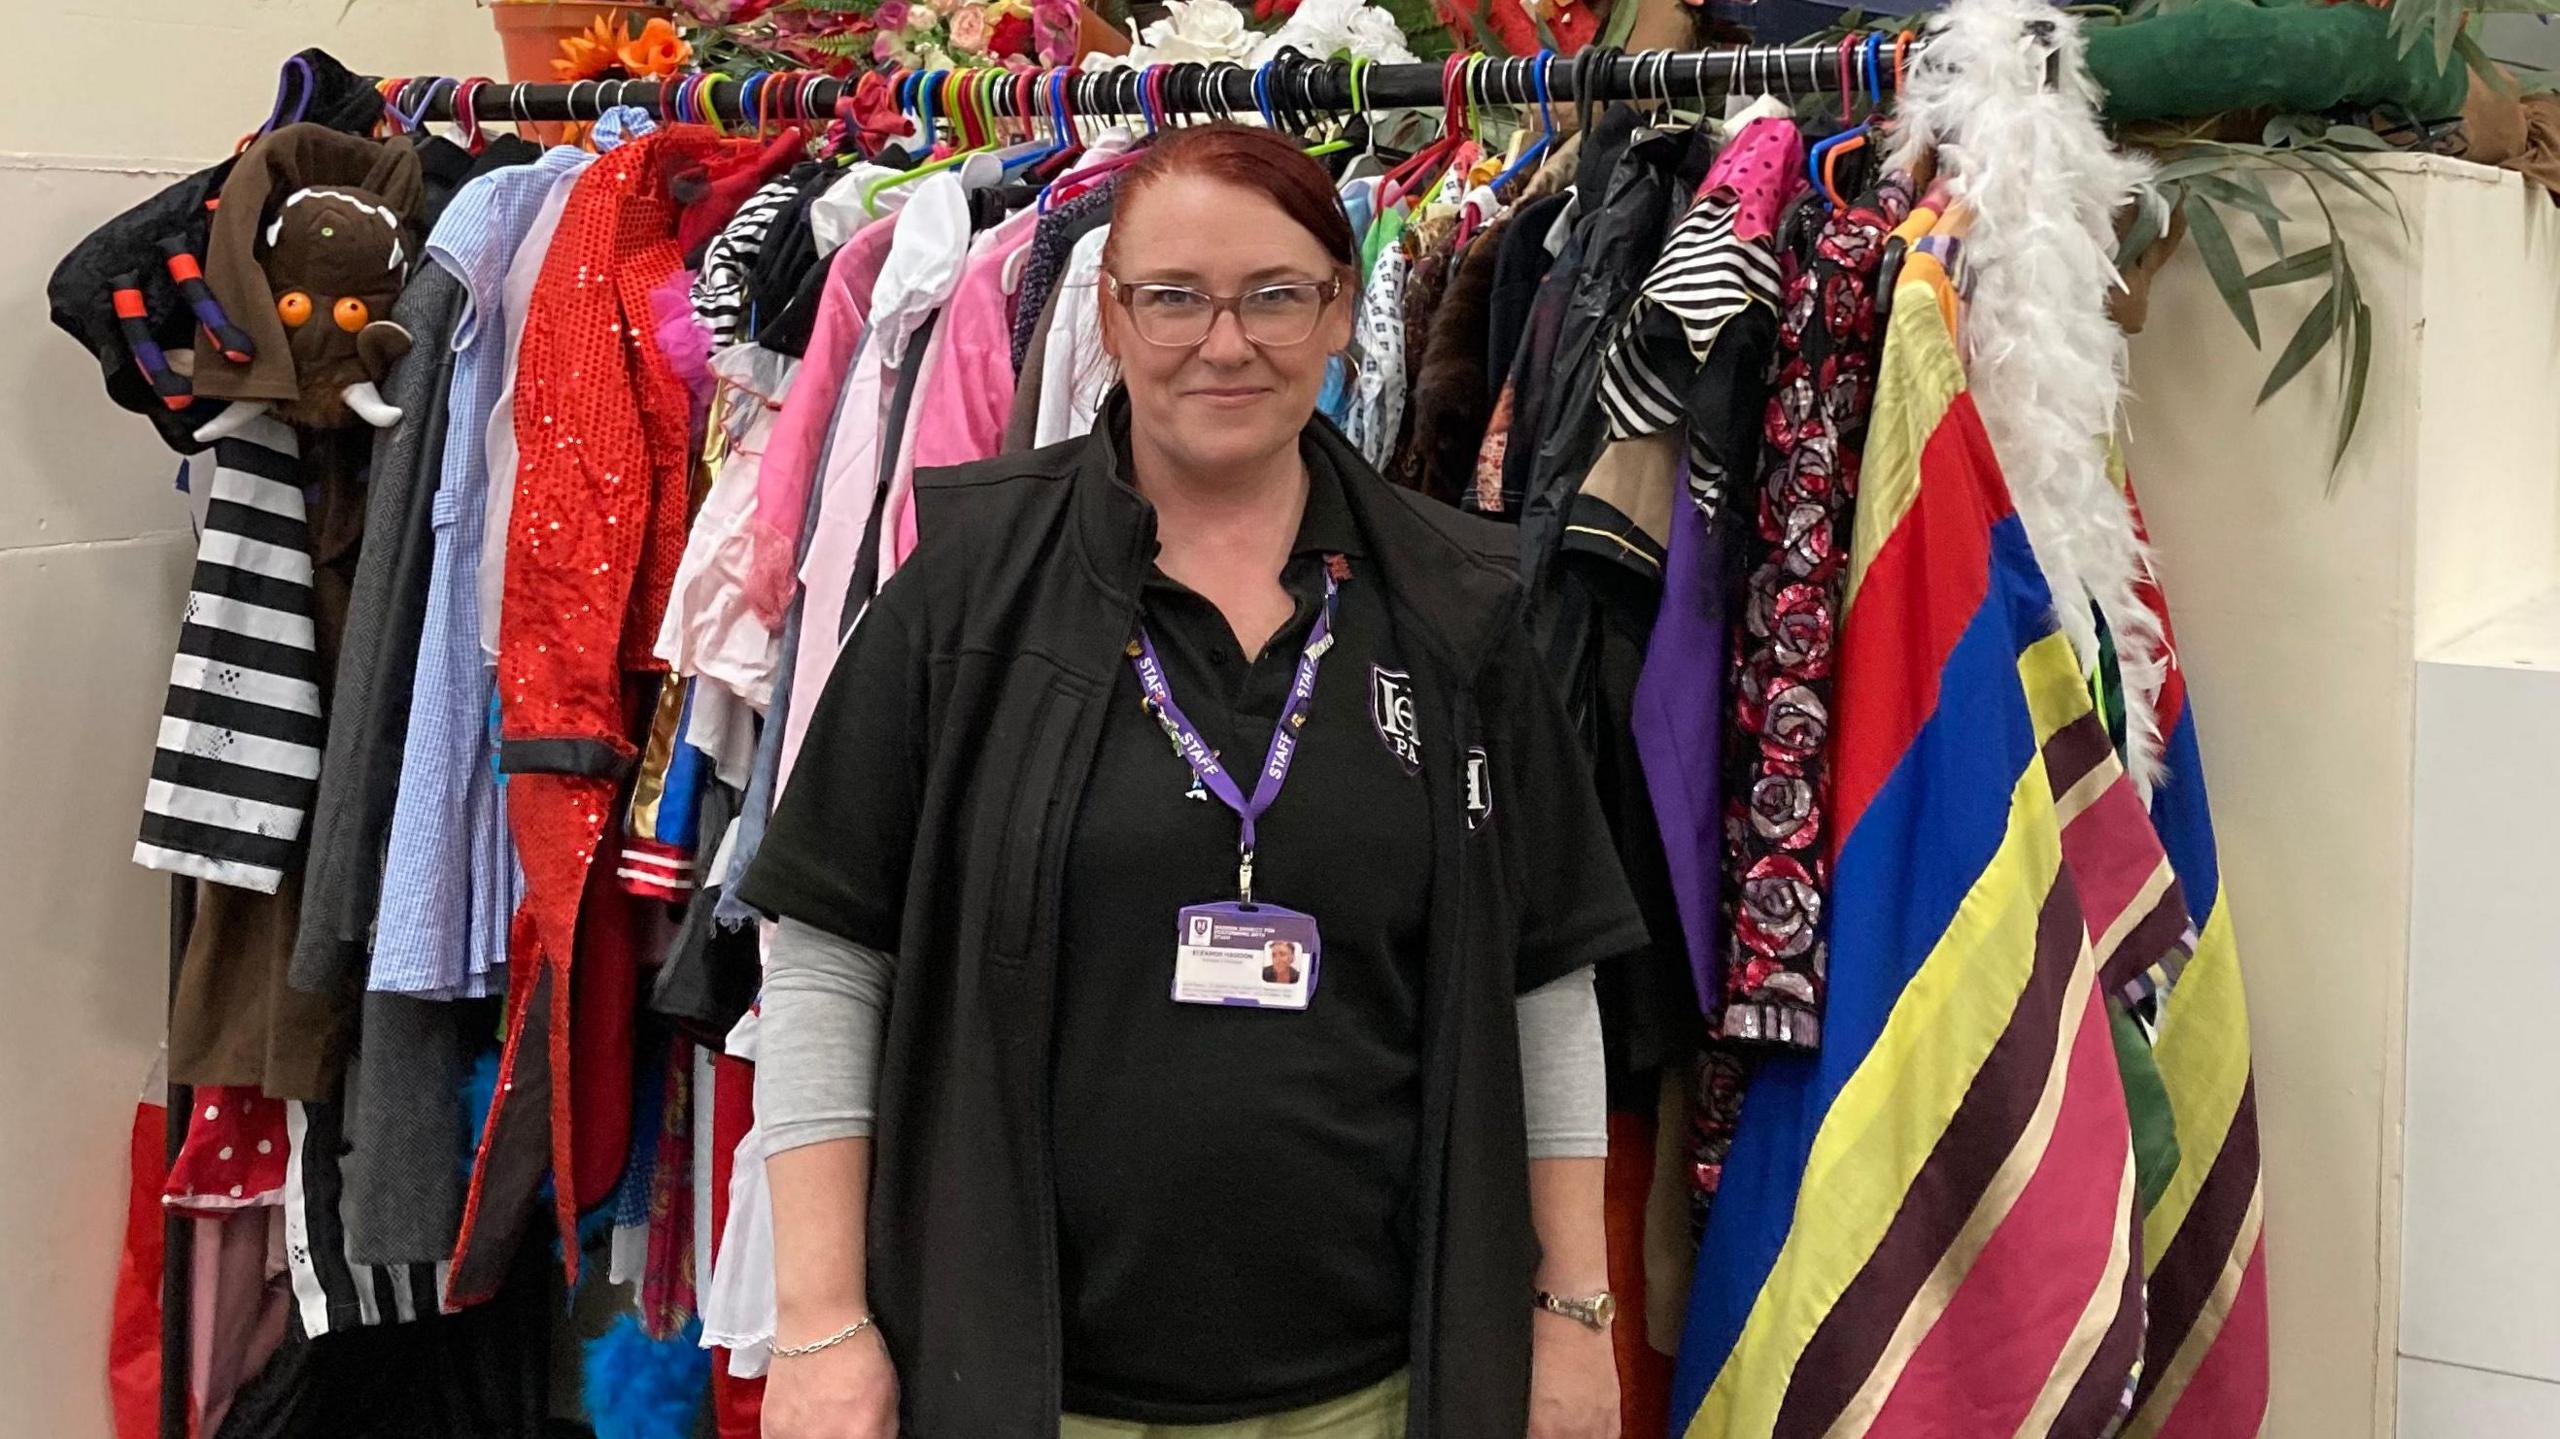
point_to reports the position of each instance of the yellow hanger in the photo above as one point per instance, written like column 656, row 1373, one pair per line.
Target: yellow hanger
column 955, row 100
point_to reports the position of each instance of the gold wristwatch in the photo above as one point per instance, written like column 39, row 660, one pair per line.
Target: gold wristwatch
column 1593, row 1312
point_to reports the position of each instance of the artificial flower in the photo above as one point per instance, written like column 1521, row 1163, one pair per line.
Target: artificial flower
column 886, row 50
column 1207, row 31
column 723, row 12
column 590, row 52
column 921, row 18
column 933, row 57
column 969, row 30
column 1266, row 11
column 891, row 15
column 1056, row 23
column 1009, row 36
column 1327, row 29
column 657, row 51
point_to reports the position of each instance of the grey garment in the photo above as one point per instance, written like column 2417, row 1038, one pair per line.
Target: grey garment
column 405, row 1132
column 1022, row 426
column 1051, row 245
column 1564, row 1077
column 378, row 654
column 755, row 811
column 826, row 1003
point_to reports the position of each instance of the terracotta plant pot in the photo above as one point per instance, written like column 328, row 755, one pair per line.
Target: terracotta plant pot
column 1095, row 35
column 530, row 31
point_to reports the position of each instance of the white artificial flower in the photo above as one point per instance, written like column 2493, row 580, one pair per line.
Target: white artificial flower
column 1327, row 29
column 1376, row 36
column 1207, row 31
column 922, row 17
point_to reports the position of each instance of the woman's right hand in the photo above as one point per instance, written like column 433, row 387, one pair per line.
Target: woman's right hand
column 849, row 1391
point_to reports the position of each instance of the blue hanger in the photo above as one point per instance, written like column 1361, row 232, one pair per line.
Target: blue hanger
column 1545, row 62
column 1875, row 75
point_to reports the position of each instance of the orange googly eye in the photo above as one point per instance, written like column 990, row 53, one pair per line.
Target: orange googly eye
column 350, row 314
column 294, row 308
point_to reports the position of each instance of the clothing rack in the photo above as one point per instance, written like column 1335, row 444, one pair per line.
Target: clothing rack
column 1294, row 83
column 1290, row 88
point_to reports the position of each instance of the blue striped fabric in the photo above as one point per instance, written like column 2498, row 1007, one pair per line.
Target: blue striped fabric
column 450, row 883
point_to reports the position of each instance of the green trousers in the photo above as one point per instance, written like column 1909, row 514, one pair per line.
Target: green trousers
column 1376, row 1412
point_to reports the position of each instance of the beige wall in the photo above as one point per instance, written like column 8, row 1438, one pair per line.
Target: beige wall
column 2304, row 600
column 114, row 99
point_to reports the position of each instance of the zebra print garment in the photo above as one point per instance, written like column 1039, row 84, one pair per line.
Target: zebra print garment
column 238, row 761
column 1706, row 277
column 720, row 290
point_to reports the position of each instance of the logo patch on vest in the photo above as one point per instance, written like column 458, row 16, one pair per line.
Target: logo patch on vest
column 1391, row 714
column 1479, row 788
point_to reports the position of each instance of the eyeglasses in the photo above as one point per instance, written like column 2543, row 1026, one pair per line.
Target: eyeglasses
column 1179, row 317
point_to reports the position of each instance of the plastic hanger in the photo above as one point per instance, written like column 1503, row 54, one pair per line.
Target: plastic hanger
column 954, row 101
column 1541, row 71
column 1340, row 140
column 1401, row 182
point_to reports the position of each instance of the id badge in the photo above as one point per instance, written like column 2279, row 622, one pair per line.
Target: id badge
column 1257, row 956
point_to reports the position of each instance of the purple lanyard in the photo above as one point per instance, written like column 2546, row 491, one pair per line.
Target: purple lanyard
column 1195, row 751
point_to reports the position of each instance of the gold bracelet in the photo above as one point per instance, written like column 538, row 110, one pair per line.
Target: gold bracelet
column 796, row 1351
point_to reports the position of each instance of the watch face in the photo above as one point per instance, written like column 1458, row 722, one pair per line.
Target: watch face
column 1603, row 1309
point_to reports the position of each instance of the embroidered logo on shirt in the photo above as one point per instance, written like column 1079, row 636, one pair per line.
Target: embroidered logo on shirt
column 1391, row 713
column 1479, row 788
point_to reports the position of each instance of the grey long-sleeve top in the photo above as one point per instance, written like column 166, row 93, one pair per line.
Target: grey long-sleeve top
column 826, row 1002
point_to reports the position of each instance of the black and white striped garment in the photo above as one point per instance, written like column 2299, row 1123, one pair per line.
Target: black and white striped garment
column 331, row 1291
column 1707, row 275
column 238, row 761
column 720, row 290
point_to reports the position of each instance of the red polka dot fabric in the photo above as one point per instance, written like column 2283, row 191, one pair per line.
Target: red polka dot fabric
column 234, row 1154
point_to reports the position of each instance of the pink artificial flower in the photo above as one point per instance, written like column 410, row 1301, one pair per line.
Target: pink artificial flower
column 891, row 15
column 969, row 30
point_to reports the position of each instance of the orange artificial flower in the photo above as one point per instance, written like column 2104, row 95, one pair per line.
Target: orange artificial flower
column 658, row 51
column 589, row 53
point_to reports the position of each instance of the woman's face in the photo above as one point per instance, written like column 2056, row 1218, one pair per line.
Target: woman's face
column 1227, row 400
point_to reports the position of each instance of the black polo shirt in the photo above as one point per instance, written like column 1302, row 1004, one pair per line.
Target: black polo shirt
column 1234, row 1184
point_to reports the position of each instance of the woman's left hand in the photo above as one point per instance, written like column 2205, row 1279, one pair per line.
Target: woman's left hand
column 1573, row 1381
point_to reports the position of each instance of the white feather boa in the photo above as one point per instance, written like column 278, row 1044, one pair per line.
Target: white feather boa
column 2045, row 364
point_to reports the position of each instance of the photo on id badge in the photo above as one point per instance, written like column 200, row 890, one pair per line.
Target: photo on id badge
column 1247, row 956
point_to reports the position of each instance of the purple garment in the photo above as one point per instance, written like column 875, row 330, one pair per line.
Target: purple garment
column 1679, row 724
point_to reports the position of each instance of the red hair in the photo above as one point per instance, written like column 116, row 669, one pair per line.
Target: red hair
column 1263, row 161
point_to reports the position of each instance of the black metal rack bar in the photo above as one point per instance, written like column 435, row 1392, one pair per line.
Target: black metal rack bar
column 1825, row 68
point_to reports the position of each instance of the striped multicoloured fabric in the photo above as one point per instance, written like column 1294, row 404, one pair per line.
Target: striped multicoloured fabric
column 238, row 761
column 1933, row 1226
column 2204, row 1373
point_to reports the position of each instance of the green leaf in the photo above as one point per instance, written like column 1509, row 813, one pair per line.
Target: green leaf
column 2359, row 365
column 2214, row 243
column 2244, row 190
column 2356, row 137
column 2191, row 166
column 2293, row 268
column 2144, row 231
column 2316, row 329
column 2347, row 174
column 1622, row 23
column 2290, row 130
column 2492, row 72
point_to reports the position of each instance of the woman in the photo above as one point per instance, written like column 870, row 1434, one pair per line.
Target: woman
column 1027, row 1107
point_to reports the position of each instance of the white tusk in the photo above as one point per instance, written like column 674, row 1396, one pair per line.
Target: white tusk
column 234, row 418
column 369, row 405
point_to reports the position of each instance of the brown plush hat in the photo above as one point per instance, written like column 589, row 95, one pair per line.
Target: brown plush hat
column 310, row 244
